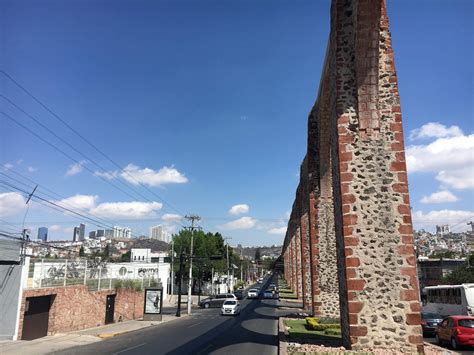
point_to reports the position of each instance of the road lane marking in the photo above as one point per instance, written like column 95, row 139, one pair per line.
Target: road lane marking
column 194, row 325
column 130, row 348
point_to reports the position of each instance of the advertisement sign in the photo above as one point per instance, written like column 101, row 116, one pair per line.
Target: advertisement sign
column 153, row 301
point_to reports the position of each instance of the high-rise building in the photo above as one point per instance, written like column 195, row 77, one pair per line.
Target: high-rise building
column 75, row 234
column 43, row 234
column 78, row 234
column 122, row 232
column 156, row 232
column 442, row 230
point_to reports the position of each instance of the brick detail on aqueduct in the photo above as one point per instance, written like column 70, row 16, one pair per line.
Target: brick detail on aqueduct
column 348, row 249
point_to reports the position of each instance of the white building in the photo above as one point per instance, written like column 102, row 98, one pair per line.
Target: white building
column 156, row 232
column 144, row 255
column 121, row 232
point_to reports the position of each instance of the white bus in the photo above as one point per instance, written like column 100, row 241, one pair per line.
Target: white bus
column 450, row 300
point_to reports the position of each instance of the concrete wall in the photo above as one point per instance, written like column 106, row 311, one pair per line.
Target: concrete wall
column 10, row 291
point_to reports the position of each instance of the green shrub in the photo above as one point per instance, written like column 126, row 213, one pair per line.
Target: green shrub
column 314, row 324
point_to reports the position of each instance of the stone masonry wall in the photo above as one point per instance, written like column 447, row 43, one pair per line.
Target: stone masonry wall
column 75, row 307
column 359, row 217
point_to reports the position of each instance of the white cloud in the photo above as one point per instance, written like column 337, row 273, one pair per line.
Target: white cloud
column 170, row 217
column 456, row 219
column 435, row 130
column 82, row 202
column 241, row 223
column 277, row 231
column 166, row 175
column 239, row 209
column 109, row 175
column 439, row 197
column 452, row 159
column 11, row 203
column 126, row 210
column 76, row 168
column 31, row 169
column 54, row 228
column 461, row 178
column 8, row 166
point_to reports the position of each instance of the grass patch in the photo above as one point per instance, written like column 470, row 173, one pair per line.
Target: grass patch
column 298, row 331
column 288, row 295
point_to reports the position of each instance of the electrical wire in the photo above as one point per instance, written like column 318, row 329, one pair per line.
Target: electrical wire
column 85, row 139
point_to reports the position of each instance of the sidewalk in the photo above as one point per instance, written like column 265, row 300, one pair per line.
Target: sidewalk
column 58, row 342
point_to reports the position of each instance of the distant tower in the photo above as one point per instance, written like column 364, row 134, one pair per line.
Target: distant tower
column 79, row 233
column 442, row 230
column 156, row 232
column 43, row 234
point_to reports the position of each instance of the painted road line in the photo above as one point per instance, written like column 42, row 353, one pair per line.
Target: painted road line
column 130, row 348
column 194, row 325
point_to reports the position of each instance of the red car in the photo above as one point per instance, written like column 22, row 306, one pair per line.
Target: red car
column 456, row 330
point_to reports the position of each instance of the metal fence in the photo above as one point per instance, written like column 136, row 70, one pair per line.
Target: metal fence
column 96, row 274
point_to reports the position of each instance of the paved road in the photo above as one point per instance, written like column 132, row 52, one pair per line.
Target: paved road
column 255, row 331
column 465, row 350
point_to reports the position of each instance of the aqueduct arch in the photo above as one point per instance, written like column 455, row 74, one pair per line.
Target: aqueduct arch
column 349, row 248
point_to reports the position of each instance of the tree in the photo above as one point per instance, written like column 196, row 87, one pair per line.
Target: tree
column 462, row 274
column 81, row 251
column 209, row 252
column 106, row 252
column 126, row 257
column 257, row 254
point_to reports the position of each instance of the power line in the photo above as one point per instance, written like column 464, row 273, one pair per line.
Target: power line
column 60, row 197
column 59, row 208
column 94, row 221
column 85, row 139
column 66, row 154
column 72, row 147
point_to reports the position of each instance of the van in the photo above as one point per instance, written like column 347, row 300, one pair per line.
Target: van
column 449, row 300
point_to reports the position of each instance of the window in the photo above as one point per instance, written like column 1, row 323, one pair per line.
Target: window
column 466, row 323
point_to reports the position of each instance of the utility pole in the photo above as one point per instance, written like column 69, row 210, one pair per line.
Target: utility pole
column 228, row 276
column 193, row 219
column 172, row 269
column 180, row 277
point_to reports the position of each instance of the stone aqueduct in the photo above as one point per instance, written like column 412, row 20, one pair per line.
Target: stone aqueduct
column 348, row 249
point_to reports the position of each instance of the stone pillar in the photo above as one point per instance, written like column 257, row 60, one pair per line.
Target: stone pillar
column 294, row 283
column 314, row 252
column 378, row 285
column 299, row 273
column 305, row 242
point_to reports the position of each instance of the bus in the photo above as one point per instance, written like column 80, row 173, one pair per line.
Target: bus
column 449, row 300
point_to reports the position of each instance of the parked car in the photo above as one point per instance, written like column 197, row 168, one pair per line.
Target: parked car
column 253, row 293
column 230, row 307
column 429, row 322
column 217, row 300
column 456, row 330
column 268, row 294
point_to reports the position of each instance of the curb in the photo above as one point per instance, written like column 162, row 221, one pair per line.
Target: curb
column 282, row 332
column 439, row 348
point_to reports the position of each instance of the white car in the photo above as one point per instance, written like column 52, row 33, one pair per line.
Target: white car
column 230, row 307
column 252, row 293
column 268, row 294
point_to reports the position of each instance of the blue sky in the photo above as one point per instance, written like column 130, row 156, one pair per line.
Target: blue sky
column 206, row 103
